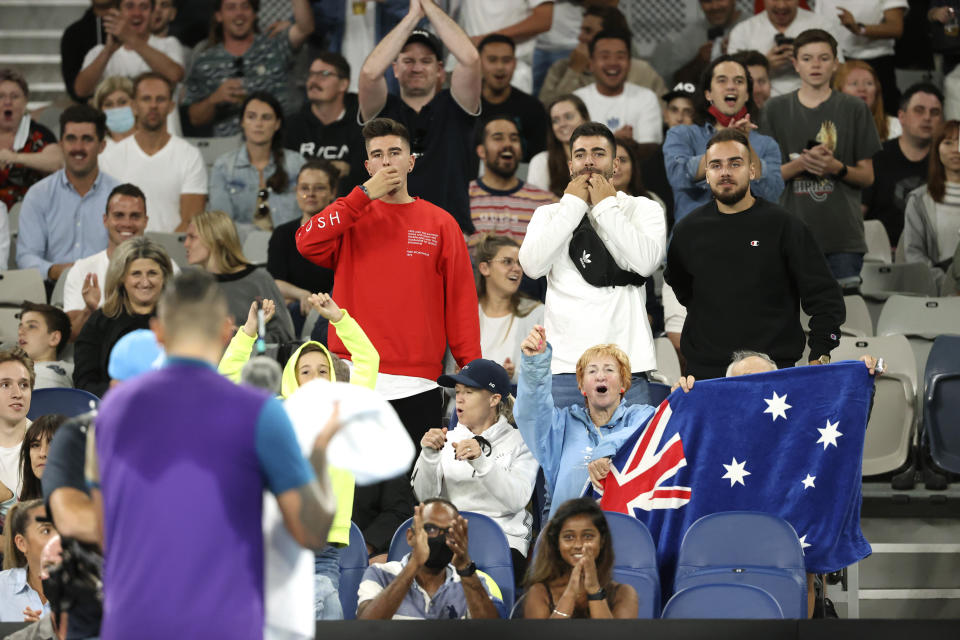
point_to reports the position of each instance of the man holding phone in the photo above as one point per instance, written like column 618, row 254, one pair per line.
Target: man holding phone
column 772, row 32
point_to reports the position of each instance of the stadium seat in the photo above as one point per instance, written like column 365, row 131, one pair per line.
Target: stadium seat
column 722, row 601
column 667, row 361
column 858, row 322
column 517, row 612
column 889, row 435
column 353, row 562
column 941, row 403
column 878, row 242
column 56, row 298
column 18, row 285
column 921, row 320
column 255, row 246
column 880, row 281
column 69, row 402
column 9, row 321
column 745, row 547
column 488, row 548
column 213, row 148
column 13, row 217
column 635, row 561
column 173, row 243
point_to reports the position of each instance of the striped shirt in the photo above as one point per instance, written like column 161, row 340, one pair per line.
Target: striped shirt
column 448, row 603
column 505, row 212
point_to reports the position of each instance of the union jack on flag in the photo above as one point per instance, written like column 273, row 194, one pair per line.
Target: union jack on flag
column 787, row 442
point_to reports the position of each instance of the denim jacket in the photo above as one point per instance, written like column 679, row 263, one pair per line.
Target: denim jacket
column 234, row 184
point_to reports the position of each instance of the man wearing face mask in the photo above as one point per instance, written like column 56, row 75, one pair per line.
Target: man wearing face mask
column 596, row 247
column 436, row 580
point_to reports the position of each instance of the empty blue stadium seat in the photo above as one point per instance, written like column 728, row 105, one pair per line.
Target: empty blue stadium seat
column 635, row 561
column 353, row 562
column 722, row 601
column 69, row 402
column 941, row 403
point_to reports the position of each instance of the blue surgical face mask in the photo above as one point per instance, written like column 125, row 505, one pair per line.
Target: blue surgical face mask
column 119, row 120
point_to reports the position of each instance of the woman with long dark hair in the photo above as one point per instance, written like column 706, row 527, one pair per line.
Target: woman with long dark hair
column 33, row 454
column 572, row 572
column 550, row 169
column 253, row 184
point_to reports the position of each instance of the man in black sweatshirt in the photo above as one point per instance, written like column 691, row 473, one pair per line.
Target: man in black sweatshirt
column 743, row 267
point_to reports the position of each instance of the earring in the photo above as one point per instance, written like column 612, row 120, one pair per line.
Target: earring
column 584, row 393
column 622, row 391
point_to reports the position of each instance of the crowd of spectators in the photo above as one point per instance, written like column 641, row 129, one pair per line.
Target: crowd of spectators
column 444, row 184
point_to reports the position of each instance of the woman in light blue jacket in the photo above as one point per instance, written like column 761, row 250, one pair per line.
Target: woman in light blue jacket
column 253, row 184
column 574, row 444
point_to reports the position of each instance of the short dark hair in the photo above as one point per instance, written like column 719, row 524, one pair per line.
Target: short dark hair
column 728, row 135
column 127, row 189
column 594, row 129
column 55, row 318
column 611, row 34
column 336, row 61
column 497, row 38
column 919, row 87
column 192, row 302
column 610, row 17
column 752, row 58
column 379, row 127
column 701, row 108
column 442, row 501
column 84, row 113
column 321, row 164
column 151, row 75
column 480, row 132
column 12, row 75
column 811, row 36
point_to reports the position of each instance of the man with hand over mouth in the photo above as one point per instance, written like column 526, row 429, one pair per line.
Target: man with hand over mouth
column 596, row 246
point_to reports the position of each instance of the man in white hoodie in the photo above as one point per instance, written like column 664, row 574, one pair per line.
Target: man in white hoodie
column 596, row 247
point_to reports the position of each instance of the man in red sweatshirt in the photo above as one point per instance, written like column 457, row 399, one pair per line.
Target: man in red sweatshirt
column 401, row 267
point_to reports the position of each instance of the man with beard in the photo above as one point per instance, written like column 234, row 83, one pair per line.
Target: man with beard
column 743, row 267
column 724, row 99
column 168, row 169
column 438, row 566
column 60, row 214
column 596, row 246
column 500, row 202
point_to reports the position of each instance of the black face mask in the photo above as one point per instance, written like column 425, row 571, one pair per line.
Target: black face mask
column 52, row 590
column 440, row 554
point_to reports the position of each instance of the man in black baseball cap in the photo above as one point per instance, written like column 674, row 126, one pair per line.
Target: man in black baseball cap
column 678, row 105
column 440, row 122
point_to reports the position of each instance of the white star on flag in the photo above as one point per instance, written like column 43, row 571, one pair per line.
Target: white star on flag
column 735, row 472
column 777, row 406
column 808, row 482
column 804, row 544
column 829, row 435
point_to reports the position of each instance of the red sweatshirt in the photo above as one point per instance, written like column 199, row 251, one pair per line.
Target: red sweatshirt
column 404, row 273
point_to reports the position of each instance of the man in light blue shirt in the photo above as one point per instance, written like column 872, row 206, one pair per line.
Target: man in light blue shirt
column 724, row 99
column 61, row 219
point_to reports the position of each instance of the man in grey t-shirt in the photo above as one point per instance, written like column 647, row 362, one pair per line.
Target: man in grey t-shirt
column 827, row 140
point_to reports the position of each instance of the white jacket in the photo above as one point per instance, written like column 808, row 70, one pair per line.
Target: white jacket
column 498, row 485
column 579, row 315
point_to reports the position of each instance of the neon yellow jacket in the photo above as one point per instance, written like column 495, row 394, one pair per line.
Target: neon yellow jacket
column 366, row 362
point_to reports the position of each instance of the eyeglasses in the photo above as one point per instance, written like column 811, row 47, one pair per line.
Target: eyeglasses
column 507, row 262
column 326, row 73
column 261, row 216
column 433, row 530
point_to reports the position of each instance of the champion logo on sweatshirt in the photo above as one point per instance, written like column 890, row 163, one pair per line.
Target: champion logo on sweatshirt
column 754, row 243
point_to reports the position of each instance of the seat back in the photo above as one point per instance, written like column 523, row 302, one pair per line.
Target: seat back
column 722, row 601
column 9, row 322
column 667, row 361
column 213, row 148
column 635, row 560
column 17, row 285
column 858, row 321
column 255, row 246
column 880, row 281
column 173, row 244
column 886, row 444
column 56, row 298
column 745, row 547
column 488, row 547
column 878, row 242
column 921, row 320
column 69, row 402
column 941, row 402
column 353, row 562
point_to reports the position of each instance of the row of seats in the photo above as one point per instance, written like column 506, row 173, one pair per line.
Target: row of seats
column 737, row 564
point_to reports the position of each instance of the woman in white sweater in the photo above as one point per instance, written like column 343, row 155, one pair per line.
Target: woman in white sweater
column 482, row 464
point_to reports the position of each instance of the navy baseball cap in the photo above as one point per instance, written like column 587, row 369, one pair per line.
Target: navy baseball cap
column 680, row 90
column 427, row 39
column 480, row 374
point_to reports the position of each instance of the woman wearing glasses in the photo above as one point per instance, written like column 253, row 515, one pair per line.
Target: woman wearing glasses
column 506, row 316
column 252, row 184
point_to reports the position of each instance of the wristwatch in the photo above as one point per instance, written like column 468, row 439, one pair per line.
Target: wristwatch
column 823, row 359
column 840, row 175
column 469, row 571
column 599, row 595
column 364, row 189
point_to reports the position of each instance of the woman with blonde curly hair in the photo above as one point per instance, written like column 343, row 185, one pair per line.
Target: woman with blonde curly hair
column 213, row 245
column 138, row 273
column 858, row 79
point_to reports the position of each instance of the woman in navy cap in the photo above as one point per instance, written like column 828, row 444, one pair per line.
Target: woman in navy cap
column 482, row 464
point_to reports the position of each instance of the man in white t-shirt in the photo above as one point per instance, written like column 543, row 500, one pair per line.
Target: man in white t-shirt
column 627, row 109
column 782, row 20
column 168, row 169
column 130, row 49
column 522, row 20
column 16, row 389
